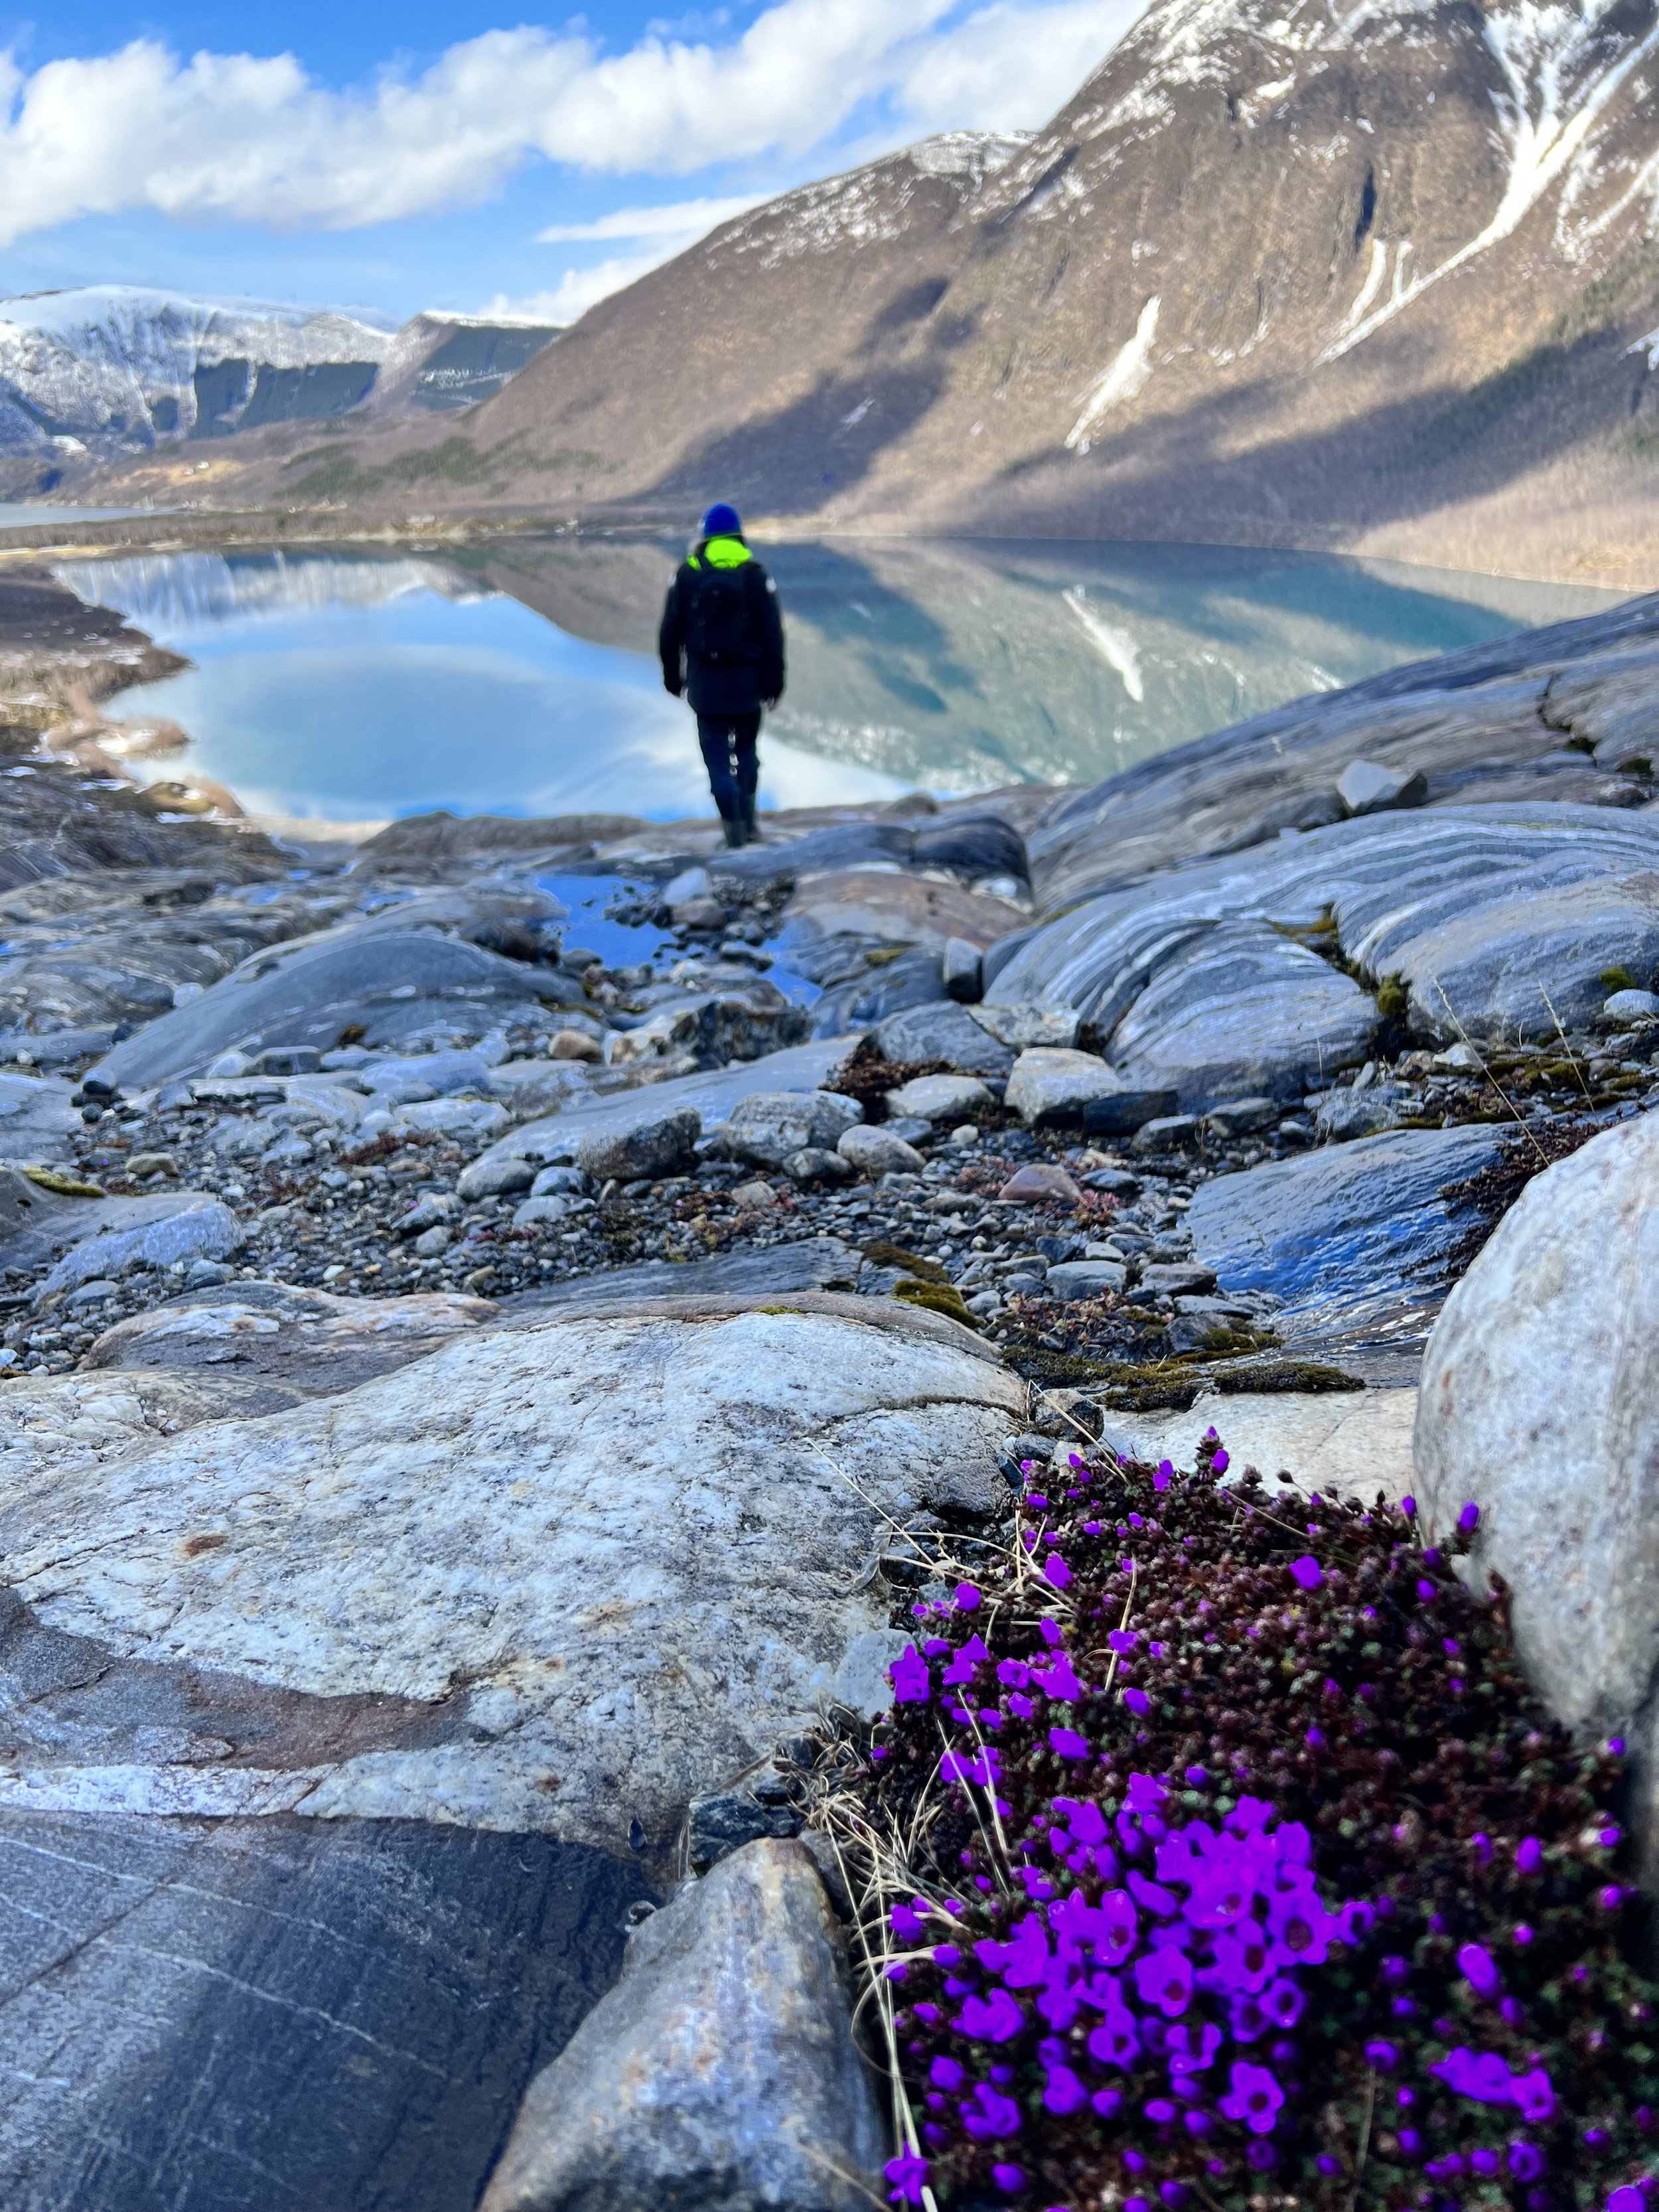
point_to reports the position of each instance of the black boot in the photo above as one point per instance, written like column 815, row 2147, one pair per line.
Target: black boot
column 734, row 836
column 751, row 823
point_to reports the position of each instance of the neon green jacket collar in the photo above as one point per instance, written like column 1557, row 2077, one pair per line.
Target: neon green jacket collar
column 722, row 553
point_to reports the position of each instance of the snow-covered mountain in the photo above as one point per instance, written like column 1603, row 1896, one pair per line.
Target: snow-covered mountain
column 1309, row 270
column 117, row 369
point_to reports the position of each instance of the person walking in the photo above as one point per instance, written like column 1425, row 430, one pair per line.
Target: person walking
column 722, row 644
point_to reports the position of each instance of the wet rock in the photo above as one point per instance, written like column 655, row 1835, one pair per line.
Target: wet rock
column 1050, row 1085
column 720, row 2072
column 943, row 1032
column 500, row 1517
column 655, row 1140
column 939, row 1097
column 770, row 1128
column 1540, row 1404
column 200, row 1228
column 876, row 1151
column 1367, row 787
column 1350, row 1237
column 319, row 1344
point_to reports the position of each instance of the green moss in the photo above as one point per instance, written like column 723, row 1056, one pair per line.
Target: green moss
column 935, row 1297
column 1618, row 979
column 1392, row 998
column 882, row 1254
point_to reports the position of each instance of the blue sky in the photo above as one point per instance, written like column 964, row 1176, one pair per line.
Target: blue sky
column 470, row 157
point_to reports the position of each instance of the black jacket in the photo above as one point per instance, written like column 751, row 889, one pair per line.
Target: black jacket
column 741, row 683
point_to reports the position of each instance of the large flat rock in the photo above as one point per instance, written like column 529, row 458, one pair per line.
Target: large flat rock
column 555, row 1579
column 816, row 1263
column 1354, row 1239
column 1355, row 1442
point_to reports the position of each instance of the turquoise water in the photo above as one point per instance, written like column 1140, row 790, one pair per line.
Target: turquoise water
column 521, row 678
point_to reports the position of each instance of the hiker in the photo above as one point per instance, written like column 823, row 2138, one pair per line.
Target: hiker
column 722, row 644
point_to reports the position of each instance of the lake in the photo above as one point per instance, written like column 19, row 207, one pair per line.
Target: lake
column 519, row 677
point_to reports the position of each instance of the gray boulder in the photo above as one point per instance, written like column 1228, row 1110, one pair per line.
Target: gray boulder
column 1055, row 1084
column 770, row 1128
column 943, row 1032
column 493, row 1175
column 1624, row 1007
column 876, row 1151
column 939, row 1098
column 720, row 2072
column 1367, row 787
column 1540, row 1403
column 1346, row 1113
column 1085, row 1278
column 1355, row 1237
column 655, row 1140
column 387, row 982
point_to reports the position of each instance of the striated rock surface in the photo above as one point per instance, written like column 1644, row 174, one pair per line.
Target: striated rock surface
column 1540, row 1404
column 588, row 1568
column 719, row 2073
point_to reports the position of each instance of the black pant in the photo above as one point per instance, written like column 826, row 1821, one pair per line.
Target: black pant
column 725, row 737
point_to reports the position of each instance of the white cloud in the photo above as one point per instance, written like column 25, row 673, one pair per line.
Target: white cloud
column 255, row 140
column 578, row 290
column 685, row 220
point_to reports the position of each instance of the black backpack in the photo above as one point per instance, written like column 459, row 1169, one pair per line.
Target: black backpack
column 717, row 629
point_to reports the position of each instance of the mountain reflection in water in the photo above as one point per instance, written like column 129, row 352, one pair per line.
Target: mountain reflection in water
column 519, row 677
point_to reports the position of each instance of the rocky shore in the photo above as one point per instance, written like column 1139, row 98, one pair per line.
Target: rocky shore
column 502, row 1319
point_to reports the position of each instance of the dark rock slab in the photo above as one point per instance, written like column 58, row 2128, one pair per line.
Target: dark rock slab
column 246, row 2015
column 818, row 1263
column 944, row 1031
column 1354, row 1239
column 38, row 1225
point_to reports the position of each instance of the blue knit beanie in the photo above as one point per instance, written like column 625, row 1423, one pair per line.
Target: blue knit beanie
column 722, row 521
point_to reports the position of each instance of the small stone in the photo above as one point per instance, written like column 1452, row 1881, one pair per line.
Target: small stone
column 1178, row 1278
column 1085, row 1278
column 288, row 1059
column 724, row 1820
column 875, row 1150
column 768, row 1128
column 1243, row 1117
column 1115, row 1182
column 939, row 1097
column 567, row 1182
column 142, row 1164
column 575, row 1044
column 1023, row 1027
column 656, row 1143
column 93, row 1293
column 1368, row 787
column 813, row 1164
column 542, row 1212
column 1168, row 1133
column 1039, row 1181
column 433, row 1241
column 1626, row 1006
column 962, row 967
column 754, row 1197
column 495, row 1177
column 1121, row 1113
column 1459, row 1057
column 700, row 913
column 965, row 1137
column 1343, row 1115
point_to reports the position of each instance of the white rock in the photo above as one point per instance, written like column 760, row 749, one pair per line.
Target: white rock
column 876, row 1151
column 939, row 1097
column 636, row 1540
column 473, row 1119
column 1367, row 787
column 1626, row 1006
column 1050, row 1085
column 1355, row 1442
column 543, row 1213
column 1020, row 1026
column 1540, row 1405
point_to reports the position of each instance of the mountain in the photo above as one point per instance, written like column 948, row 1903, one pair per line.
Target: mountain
column 1381, row 275
column 115, row 369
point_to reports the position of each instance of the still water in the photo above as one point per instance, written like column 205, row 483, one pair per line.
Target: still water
column 521, row 678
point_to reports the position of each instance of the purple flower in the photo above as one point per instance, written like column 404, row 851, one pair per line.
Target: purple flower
column 1122, row 1641
column 1165, row 1474
column 946, row 2074
column 1137, row 1700
column 967, row 1598
column 1408, row 1507
column 1159, row 2109
column 1307, row 1572
column 1064, row 2092
column 1529, row 1854
column 1531, row 2096
column 1055, row 1571
column 912, row 1683
column 1068, row 1744
column 1255, row 2098
column 1220, row 1463
column 989, row 2112
column 1034, row 1496
column 1059, row 1681
column 1116, row 2041
column 907, row 2173
column 1481, row 1969
column 1282, row 2002
column 1190, row 2049
column 1147, row 1793
column 1627, row 2200
column 1526, row 2161
column 1164, row 1979
column 1010, row 2180
column 1469, row 1519
column 990, row 2020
